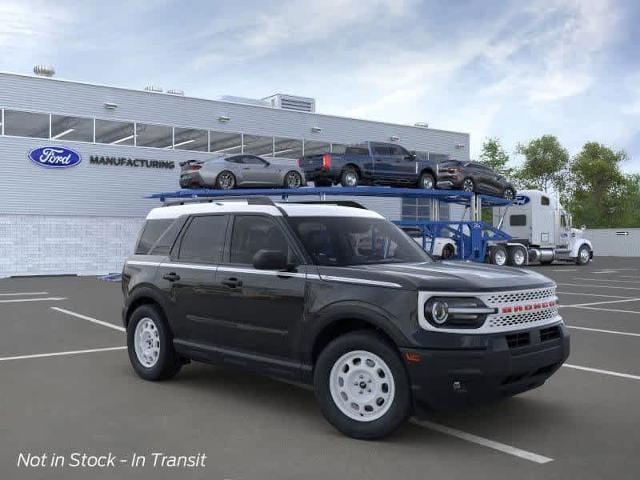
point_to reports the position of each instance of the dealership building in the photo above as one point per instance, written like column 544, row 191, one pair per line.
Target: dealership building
column 112, row 147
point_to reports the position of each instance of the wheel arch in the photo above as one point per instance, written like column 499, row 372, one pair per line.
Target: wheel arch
column 142, row 296
column 354, row 166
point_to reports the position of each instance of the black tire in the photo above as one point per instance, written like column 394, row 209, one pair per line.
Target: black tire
column 221, row 182
column 427, row 181
column 323, row 183
column 448, row 251
column 468, row 185
column 516, row 260
column 498, row 255
column 400, row 406
column 168, row 362
column 349, row 177
column 582, row 258
column 509, row 193
column 288, row 179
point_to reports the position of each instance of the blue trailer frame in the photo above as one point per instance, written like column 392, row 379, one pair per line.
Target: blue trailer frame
column 472, row 237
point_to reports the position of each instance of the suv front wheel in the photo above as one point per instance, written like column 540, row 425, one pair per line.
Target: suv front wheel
column 150, row 344
column 362, row 386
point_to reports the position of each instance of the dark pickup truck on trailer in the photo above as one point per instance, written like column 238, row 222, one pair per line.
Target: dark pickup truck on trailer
column 337, row 297
column 371, row 163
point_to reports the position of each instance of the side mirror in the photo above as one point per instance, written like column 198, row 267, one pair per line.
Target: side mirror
column 270, row 260
column 412, row 156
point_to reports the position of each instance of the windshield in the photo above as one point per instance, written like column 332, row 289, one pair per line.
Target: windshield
column 346, row 241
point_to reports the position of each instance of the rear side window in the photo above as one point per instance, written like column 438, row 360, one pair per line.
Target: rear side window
column 357, row 151
column 518, row 220
column 151, row 233
column 203, row 240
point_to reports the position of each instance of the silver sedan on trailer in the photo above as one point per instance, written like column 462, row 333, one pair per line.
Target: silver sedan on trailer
column 227, row 172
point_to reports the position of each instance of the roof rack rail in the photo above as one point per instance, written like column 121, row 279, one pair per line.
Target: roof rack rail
column 219, row 199
column 339, row 203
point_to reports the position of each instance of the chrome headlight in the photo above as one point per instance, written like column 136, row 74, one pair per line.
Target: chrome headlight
column 456, row 312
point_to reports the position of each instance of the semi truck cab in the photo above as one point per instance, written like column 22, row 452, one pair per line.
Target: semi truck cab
column 537, row 221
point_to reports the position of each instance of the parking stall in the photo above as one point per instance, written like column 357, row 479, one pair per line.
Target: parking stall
column 67, row 381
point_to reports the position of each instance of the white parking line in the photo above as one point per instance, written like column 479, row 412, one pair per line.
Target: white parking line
column 43, row 299
column 604, row 372
column 89, row 319
column 607, row 280
column 597, row 286
column 599, row 330
column 22, row 293
column 598, row 303
column 61, row 354
column 617, row 310
column 591, row 294
column 485, row 442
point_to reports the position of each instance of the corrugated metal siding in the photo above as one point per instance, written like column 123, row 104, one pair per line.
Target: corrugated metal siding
column 610, row 242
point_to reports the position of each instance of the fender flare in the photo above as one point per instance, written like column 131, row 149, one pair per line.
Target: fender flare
column 140, row 293
column 335, row 313
column 578, row 244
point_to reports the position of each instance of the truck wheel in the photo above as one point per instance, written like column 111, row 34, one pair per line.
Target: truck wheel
column 584, row 255
column 427, row 182
column 362, row 386
column 349, row 177
column 517, row 256
column 448, row 251
column 150, row 345
column 498, row 255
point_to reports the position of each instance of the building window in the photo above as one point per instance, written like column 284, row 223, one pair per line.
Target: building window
column 71, row 128
column 257, row 145
column 114, row 133
column 312, row 147
column 190, row 139
column 26, row 124
column 225, row 142
column 287, row 148
column 338, row 148
column 157, row 136
column 416, row 209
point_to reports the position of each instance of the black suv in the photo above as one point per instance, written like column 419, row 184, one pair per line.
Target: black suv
column 474, row 177
column 340, row 298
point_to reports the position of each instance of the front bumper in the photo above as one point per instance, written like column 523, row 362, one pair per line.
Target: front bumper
column 492, row 367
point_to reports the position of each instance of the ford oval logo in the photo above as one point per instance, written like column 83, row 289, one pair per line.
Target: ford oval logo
column 55, row 157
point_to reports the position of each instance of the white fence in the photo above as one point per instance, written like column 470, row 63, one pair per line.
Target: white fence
column 616, row 242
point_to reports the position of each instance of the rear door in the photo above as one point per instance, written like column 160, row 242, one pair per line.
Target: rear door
column 259, row 308
column 189, row 277
column 382, row 161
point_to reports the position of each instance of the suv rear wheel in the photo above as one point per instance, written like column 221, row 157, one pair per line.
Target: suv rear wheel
column 150, row 344
column 362, row 386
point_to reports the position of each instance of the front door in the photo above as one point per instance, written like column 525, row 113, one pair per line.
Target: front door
column 255, row 170
column 259, row 308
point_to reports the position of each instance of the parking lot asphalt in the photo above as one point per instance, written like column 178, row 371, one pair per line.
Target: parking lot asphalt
column 66, row 386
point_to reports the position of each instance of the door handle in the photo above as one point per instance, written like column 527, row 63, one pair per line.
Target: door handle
column 232, row 282
column 172, row 276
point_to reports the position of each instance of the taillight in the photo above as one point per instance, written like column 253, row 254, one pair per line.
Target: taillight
column 299, row 161
column 326, row 161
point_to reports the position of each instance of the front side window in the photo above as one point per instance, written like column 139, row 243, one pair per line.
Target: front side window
column 398, row 151
column 203, row 240
column 26, row 124
column 252, row 233
column 251, row 160
column 345, row 241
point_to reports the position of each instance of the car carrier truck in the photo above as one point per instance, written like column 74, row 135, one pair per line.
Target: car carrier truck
column 540, row 231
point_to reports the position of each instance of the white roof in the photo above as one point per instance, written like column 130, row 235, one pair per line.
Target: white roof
column 291, row 209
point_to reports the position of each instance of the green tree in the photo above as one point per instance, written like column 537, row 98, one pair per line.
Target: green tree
column 495, row 157
column 545, row 164
column 601, row 194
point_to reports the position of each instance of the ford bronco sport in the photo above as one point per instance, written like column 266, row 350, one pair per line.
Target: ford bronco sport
column 340, row 298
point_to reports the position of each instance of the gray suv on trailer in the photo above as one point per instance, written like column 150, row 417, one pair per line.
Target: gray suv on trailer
column 340, row 298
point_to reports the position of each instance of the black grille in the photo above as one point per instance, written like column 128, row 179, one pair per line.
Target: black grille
column 549, row 333
column 516, row 340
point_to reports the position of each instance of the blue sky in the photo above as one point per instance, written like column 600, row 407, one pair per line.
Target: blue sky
column 514, row 70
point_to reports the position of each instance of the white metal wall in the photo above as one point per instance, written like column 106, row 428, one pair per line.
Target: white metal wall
column 615, row 242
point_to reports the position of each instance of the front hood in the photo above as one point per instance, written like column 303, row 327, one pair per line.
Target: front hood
column 444, row 276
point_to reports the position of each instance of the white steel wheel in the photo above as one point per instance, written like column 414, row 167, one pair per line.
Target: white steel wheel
column 584, row 255
column 518, row 257
column 147, row 342
column 499, row 256
column 362, row 386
